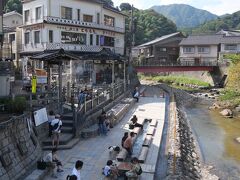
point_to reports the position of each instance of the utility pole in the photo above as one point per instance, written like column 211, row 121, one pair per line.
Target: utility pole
column 1, row 26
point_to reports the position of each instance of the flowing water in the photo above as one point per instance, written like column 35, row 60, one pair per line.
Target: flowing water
column 216, row 137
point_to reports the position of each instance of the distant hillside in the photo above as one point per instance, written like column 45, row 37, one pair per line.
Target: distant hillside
column 227, row 22
column 148, row 25
column 185, row 16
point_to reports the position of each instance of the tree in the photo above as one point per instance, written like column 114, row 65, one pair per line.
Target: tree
column 13, row 5
column 108, row 2
column 125, row 7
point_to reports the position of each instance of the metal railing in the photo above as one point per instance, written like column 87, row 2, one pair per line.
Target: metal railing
column 179, row 63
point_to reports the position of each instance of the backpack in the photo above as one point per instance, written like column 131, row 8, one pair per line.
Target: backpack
column 139, row 172
column 55, row 126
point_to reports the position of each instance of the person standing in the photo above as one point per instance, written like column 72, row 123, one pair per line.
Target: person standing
column 56, row 130
column 102, row 124
column 77, row 168
column 51, row 117
column 125, row 136
column 128, row 143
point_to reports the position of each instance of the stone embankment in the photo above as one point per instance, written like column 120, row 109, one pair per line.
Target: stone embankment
column 184, row 158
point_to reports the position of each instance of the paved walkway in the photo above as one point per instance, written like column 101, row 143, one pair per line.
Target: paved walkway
column 94, row 152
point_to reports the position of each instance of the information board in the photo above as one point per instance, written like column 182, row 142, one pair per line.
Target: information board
column 40, row 116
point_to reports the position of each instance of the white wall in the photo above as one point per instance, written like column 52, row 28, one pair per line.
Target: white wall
column 31, row 6
column 212, row 54
column 12, row 20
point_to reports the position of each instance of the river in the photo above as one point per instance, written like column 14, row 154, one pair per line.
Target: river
column 216, row 137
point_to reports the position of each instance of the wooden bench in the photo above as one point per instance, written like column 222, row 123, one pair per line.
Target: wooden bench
column 143, row 154
column 153, row 122
column 122, row 155
column 147, row 140
column 151, row 130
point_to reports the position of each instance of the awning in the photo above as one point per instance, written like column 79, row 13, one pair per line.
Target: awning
column 104, row 54
column 54, row 56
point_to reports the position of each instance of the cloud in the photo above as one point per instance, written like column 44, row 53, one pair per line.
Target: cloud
column 218, row 7
column 223, row 7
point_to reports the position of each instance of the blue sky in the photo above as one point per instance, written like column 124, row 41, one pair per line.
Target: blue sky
column 218, row 7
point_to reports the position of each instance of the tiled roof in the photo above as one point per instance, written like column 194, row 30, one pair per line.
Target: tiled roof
column 231, row 39
column 202, row 40
column 159, row 39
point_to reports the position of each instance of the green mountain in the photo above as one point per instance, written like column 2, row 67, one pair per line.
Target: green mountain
column 228, row 22
column 185, row 16
column 148, row 25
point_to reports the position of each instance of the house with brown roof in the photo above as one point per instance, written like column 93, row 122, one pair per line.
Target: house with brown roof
column 163, row 50
column 207, row 49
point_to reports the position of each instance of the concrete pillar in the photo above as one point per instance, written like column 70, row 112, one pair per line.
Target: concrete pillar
column 49, row 76
column 113, row 77
column 60, row 86
column 124, row 76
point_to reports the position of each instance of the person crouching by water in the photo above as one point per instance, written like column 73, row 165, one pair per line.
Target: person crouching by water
column 136, row 94
column 136, row 169
column 128, row 143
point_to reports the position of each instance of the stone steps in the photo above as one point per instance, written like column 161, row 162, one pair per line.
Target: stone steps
column 69, row 145
column 64, row 139
column 67, row 129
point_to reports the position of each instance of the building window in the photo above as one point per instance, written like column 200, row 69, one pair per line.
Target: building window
column 98, row 18
column 87, row 18
column 188, row 49
column 73, row 38
column 97, row 40
column 91, row 39
column 203, row 49
column 38, row 13
column 36, row 37
column 78, row 14
column 11, row 37
column 230, row 47
column 26, row 38
column 66, row 13
column 162, row 49
column 107, row 41
column 109, row 21
column 50, row 36
column 26, row 16
column 13, row 21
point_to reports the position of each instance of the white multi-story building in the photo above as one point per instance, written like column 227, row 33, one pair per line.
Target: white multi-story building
column 74, row 25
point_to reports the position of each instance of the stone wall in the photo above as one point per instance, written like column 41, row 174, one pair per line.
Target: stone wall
column 19, row 148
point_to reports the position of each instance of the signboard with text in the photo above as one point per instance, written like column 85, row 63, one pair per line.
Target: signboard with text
column 34, row 84
column 40, row 116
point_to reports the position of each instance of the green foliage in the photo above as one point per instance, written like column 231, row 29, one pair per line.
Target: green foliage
column 125, row 7
column 185, row 16
column 235, row 58
column 227, row 22
column 150, row 25
column 176, row 80
column 13, row 5
column 17, row 105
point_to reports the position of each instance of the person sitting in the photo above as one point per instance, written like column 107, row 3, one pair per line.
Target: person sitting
column 136, row 169
column 113, row 151
column 76, row 170
column 133, row 122
column 110, row 171
column 136, row 94
column 52, row 161
column 71, row 177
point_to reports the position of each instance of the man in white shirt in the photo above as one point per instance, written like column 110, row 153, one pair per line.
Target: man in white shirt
column 56, row 130
column 77, row 168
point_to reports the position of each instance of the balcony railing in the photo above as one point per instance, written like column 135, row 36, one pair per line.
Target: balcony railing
column 57, row 20
column 68, row 47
